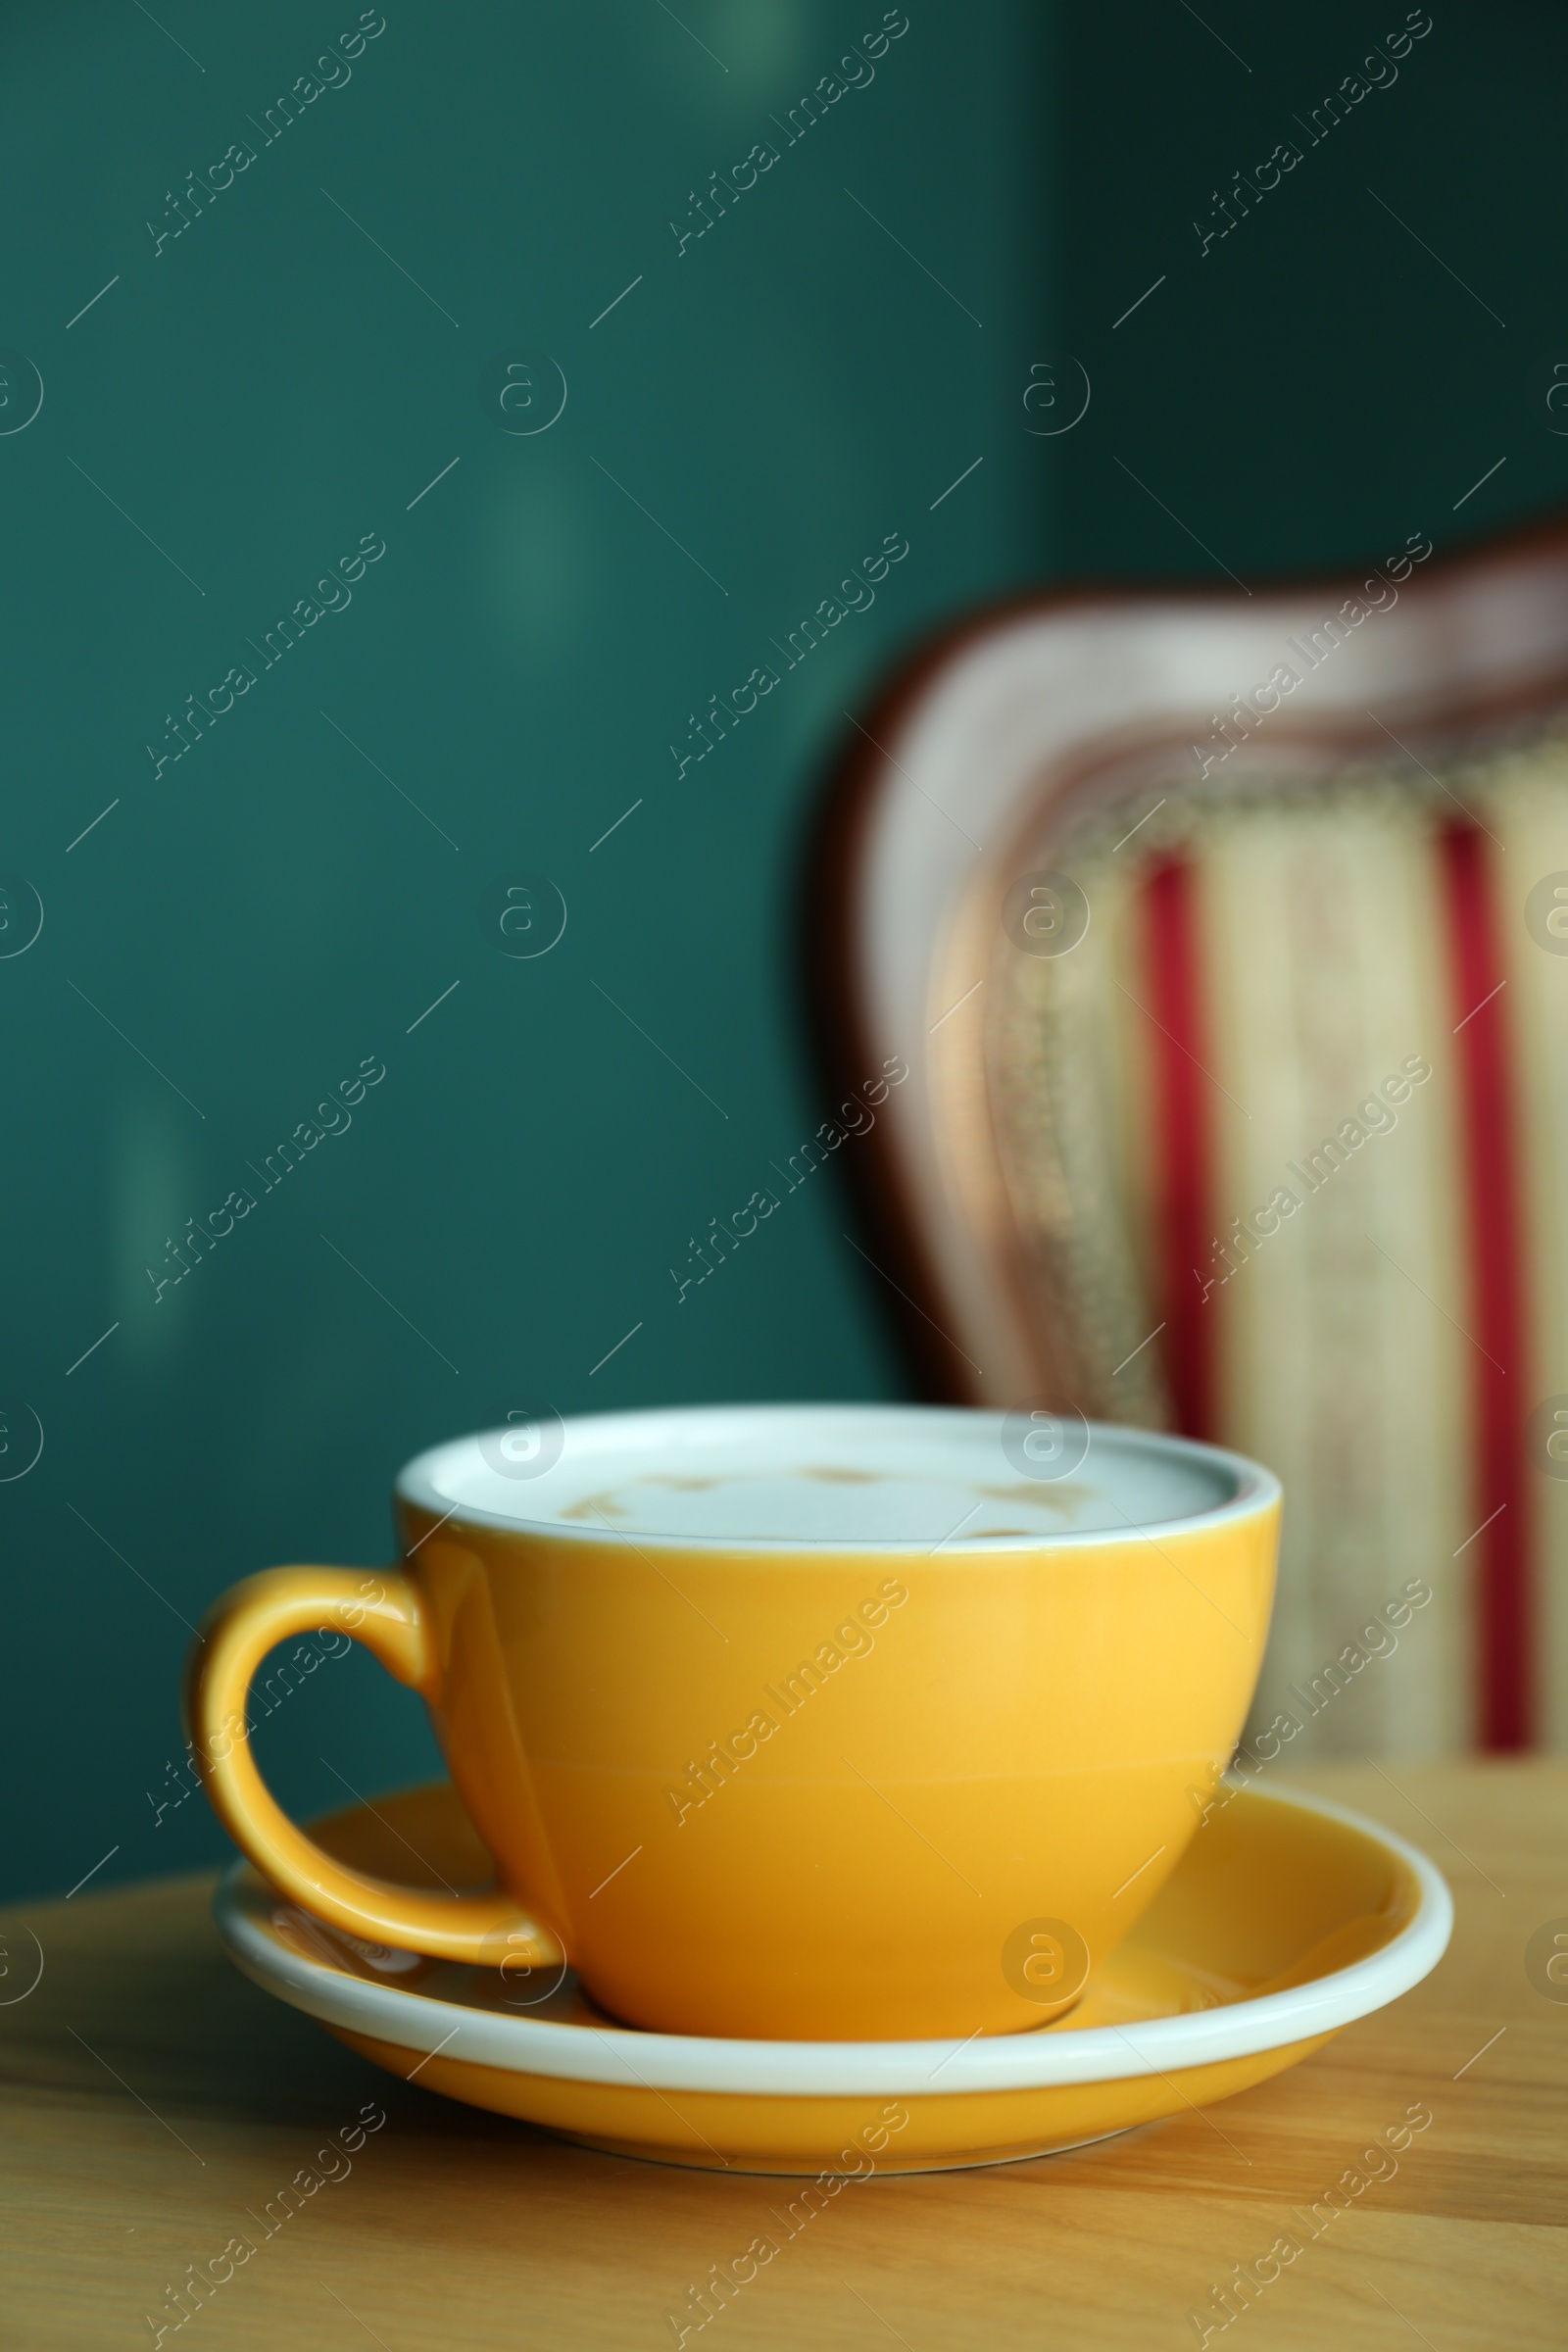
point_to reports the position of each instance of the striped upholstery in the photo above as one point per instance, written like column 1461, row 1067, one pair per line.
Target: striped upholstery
column 1298, row 1108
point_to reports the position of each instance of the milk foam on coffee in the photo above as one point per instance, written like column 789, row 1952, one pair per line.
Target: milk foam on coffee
column 824, row 1474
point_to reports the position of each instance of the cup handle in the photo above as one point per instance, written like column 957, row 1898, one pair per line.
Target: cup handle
column 239, row 1629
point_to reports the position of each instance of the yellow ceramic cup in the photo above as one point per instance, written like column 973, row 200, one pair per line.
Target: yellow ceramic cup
column 814, row 1722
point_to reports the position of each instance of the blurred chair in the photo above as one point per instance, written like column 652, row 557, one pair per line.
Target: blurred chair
column 1226, row 938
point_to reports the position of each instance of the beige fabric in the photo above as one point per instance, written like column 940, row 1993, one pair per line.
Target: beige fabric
column 1342, row 1353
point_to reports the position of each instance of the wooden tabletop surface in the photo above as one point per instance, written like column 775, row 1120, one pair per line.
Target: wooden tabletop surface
column 155, row 2099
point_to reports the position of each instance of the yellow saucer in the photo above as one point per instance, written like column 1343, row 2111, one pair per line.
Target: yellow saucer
column 1286, row 1919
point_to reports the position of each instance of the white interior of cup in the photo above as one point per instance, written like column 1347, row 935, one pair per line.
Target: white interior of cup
column 900, row 1476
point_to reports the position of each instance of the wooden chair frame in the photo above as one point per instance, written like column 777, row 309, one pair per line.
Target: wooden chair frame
column 995, row 739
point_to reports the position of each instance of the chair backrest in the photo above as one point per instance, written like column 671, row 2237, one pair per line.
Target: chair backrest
column 1226, row 940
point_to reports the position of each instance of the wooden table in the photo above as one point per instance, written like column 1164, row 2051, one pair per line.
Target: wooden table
column 154, row 2097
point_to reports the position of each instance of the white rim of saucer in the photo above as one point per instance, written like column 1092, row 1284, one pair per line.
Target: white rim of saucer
column 419, row 1482
column 617, row 2054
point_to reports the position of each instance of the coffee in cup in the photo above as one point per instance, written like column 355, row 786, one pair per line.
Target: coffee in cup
column 806, row 1722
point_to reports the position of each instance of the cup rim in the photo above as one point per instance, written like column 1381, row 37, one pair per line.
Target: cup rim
column 1256, row 1490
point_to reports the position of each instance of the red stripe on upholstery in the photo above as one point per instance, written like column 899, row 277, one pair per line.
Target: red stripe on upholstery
column 1182, row 1189
column 1495, row 1318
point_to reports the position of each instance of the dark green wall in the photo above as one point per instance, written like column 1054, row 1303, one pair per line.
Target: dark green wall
column 1317, row 385
column 272, row 908
column 248, row 923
